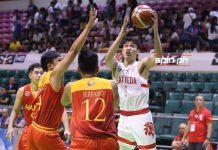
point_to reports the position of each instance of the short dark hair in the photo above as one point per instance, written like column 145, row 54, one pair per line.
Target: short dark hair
column 88, row 61
column 48, row 58
column 131, row 40
column 33, row 66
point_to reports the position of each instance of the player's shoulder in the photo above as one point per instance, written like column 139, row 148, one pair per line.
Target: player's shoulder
column 21, row 89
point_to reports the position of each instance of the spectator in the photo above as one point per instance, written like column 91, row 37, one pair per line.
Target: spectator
column 177, row 144
column 199, row 128
column 111, row 8
column 32, row 8
column 160, row 98
column 16, row 27
column 193, row 31
column 4, row 120
column 91, row 4
column 78, row 10
column 12, row 86
column 19, row 122
column 5, row 98
column 188, row 17
column 15, row 45
column 213, row 33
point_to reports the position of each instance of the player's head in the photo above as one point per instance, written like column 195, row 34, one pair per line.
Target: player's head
column 199, row 101
column 49, row 60
column 88, row 62
column 35, row 72
column 130, row 49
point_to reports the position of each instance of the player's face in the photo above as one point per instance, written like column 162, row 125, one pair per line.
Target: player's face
column 56, row 61
column 130, row 50
column 36, row 74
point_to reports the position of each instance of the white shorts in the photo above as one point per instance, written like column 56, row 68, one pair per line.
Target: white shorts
column 137, row 130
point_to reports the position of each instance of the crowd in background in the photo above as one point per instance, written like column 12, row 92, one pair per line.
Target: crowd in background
column 55, row 27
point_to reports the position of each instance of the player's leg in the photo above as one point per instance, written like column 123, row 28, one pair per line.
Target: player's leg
column 143, row 131
column 22, row 144
column 50, row 141
column 83, row 144
column 125, row 139
column 31, row 135
column 107, row 144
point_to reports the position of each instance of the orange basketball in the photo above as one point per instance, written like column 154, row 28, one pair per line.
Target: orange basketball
column 142, row 16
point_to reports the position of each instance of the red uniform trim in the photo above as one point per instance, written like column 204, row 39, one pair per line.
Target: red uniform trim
column 137, row 112
column 126, row 141
column 147, row 147
column 144, row 85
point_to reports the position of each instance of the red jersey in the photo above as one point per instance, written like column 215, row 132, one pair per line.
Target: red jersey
column 30, row 104
column 178, row 138
column 51, row 110
column 198, row 124
column 93, row 109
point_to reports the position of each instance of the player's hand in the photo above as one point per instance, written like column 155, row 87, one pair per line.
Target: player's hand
column 124, row 30
column 67, row 134
column 155, row 20
column 9, row 133
column 92, row 18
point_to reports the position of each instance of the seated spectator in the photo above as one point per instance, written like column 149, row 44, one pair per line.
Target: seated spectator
column 15, row 45
column 213, row 33
column 160, row 98
column 4, row 120
column 5, row 98
column 177, row 144
column 19, row 122
column 194, row 32
column 12, row 87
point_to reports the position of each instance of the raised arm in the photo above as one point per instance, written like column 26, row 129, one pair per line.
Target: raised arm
column 66, row 98
column 115, row 94
column 58, row 71
column 109, row 58
column 14, row 112
column 149, row 62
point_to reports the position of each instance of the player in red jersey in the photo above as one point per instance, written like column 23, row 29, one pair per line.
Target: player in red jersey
column 26, row 97
column 43, row 133
column 93, row 99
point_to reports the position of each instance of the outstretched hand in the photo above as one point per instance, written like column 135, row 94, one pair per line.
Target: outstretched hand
column 124, row 30
column 155, row 20
column 92, row 18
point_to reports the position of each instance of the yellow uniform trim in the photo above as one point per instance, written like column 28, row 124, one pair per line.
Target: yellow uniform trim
column 43, row 129
column 94, row 83
column 45, row 79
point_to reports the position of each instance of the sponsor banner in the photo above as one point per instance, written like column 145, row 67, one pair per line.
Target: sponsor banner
column 190, row 62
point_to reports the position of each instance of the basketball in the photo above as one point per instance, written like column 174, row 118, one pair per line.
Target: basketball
column 142, row 16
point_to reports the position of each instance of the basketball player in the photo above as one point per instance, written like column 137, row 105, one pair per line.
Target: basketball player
column 26, row 97
column 43, row 133
column 93, row 100
column 135, row 125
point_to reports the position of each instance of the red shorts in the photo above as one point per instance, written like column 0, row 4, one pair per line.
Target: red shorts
column 22, row 145
column 42, row 138
column 94, row 144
